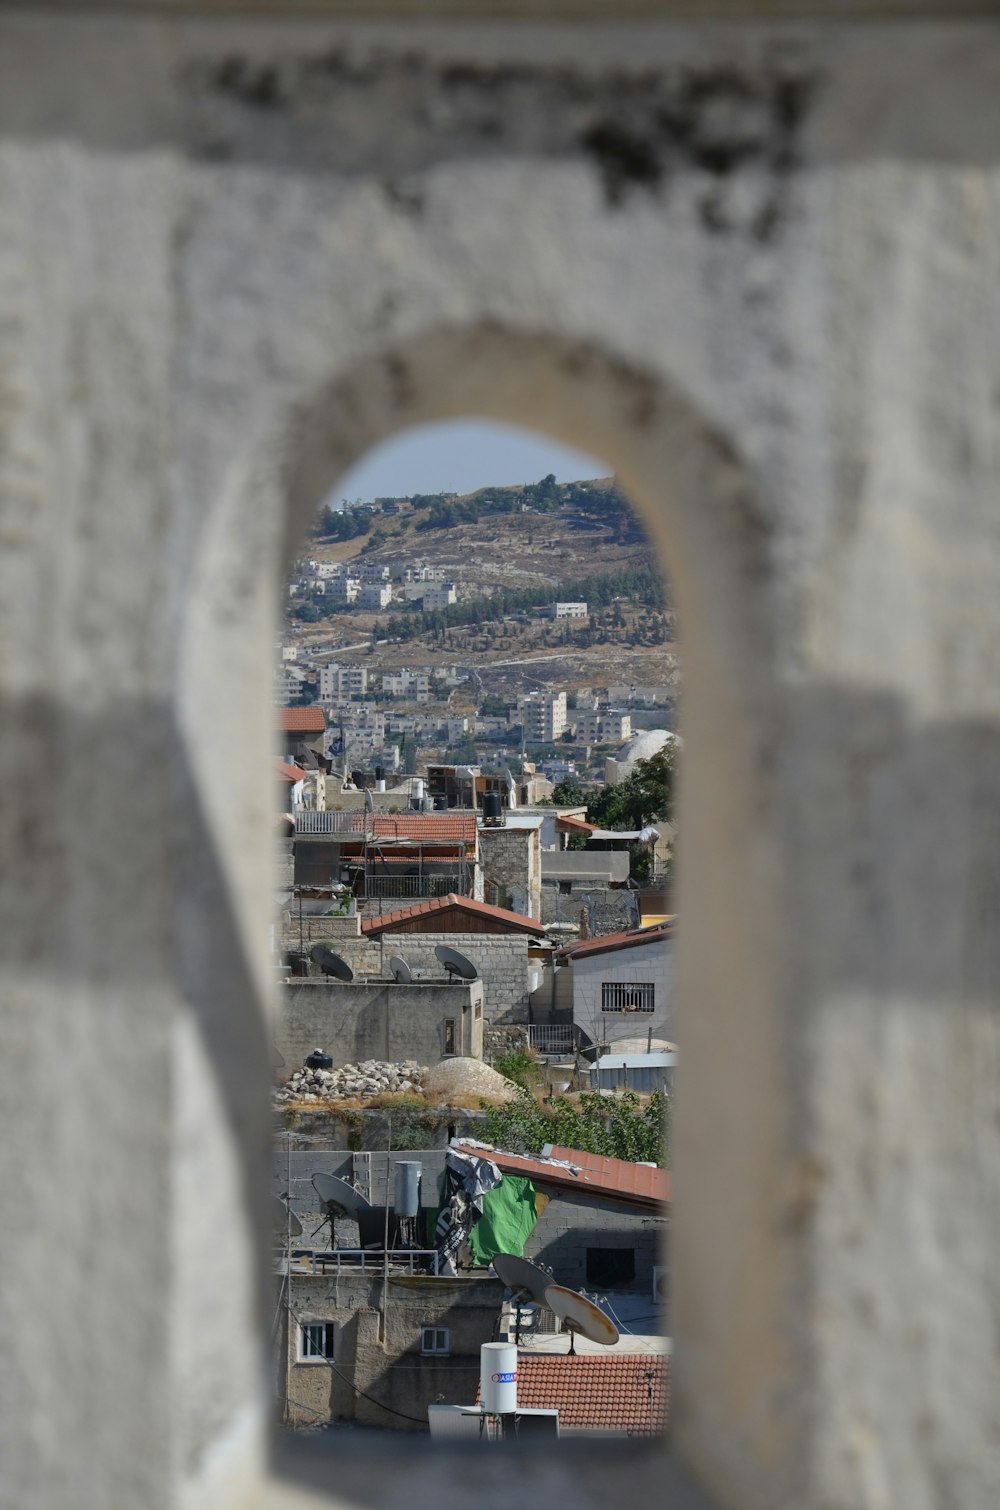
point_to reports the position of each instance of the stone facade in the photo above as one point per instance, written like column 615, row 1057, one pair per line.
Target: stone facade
column 379, row 1020
column 753, row 266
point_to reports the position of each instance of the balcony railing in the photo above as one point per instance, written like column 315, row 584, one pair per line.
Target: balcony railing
column 552, row 1038
column 415, row 886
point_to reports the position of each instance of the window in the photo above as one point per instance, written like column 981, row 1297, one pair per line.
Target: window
column 608, row 1267
column 449, row 1035
column 316, row 1341
column 619, row 997
column 435, row 1340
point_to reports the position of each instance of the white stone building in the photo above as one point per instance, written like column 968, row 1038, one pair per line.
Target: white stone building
column 542, row 716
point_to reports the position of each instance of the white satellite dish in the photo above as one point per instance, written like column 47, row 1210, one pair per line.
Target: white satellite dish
column 578, row 1314
column 456, row 964
column 401, row 972
column 369, row 801
column 521, row 1276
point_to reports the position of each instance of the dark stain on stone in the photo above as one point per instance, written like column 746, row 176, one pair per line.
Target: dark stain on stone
column 405, row 196
column 625, row 157
column 255, row 84
column 400, row 382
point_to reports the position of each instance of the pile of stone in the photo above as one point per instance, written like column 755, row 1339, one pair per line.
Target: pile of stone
column 374, row 1077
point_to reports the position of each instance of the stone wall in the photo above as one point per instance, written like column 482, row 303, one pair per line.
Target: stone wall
column 501, row 958
column 572, row 1224
column 511, row 858
column 378, row 1020
column 753, row 267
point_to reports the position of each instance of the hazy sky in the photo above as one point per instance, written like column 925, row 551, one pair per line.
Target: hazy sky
column 459, row 456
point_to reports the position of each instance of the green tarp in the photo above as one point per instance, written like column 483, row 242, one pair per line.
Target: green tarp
column 508, row 1219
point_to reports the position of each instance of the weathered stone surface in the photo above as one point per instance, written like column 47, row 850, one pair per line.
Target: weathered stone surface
column 754, row 268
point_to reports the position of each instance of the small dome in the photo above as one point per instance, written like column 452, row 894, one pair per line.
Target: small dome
column 644, row 744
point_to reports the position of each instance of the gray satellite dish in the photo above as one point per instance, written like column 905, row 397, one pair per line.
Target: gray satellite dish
column 336, row 1193
column 285, row 1221
column 369, row 801
column 455, row 963
column 330, row 962
column 401, row 972
column 578, row 1314
column 522, row 1277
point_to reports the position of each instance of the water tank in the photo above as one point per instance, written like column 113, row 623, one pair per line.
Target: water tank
column 417, row 789
column 318, row 1060
column 407, row 1198
column 492, row 808
column 379, row 784
column 428, row 805
column 379, row 773
column 498, row 1378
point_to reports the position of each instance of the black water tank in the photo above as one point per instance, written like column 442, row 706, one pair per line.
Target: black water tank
column 492, row 807
column 319, row 1061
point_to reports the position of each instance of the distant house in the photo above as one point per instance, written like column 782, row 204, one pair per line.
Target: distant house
column 623, row 985
column 300, row 731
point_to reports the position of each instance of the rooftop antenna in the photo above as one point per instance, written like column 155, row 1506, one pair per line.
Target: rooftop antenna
column 457, row 966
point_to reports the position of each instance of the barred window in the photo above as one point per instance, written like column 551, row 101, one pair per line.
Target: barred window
column 617, row 996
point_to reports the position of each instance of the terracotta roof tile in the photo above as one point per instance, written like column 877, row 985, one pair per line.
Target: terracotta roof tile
column 288, row 772
column 606, row 943
column 503, row 921
column 417, row 825
column 295, row 720
column 614, row 1179
column 619, row 1392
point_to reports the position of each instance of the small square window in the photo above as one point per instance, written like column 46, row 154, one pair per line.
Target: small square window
column 608, row 1267
column 316, row 1341
column 435, row 1340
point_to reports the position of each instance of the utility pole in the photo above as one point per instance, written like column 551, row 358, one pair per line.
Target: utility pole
column 385, row 1237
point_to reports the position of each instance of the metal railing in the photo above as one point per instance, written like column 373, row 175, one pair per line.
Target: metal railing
column 414, row 886
column 413, row 1260
column 552, row 1038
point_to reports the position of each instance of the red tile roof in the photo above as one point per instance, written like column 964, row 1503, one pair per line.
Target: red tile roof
column 416, row 826
column 499, row 918
column 606, row 943
column 300, row 720
column 589, row 1174
column 617, row 1392
column 286, row 772
column 575, row 826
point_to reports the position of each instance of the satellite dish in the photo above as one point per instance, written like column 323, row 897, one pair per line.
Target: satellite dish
column 522, row 1277
column 455, row 963
column 578, row 1314
column 401, row 972
column 369, row 800
column 285, row 1221
column 336, row 1193
column 330, row 962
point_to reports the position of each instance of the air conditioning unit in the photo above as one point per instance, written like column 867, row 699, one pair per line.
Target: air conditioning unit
column 661, row 1280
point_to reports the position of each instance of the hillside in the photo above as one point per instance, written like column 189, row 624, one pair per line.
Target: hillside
column 508, row 542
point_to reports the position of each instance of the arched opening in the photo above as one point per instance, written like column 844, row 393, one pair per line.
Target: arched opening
column 473, row 677
column 704, row 522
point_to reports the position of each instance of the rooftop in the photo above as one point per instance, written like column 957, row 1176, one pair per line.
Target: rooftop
column 616, row 1392
column 500, row 920
column 296, row 720
column 590, row 1174
column 606, row 943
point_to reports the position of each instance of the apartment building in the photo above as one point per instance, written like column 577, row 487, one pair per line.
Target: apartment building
column 542, row 716
column 338, row 684
column 605, row 726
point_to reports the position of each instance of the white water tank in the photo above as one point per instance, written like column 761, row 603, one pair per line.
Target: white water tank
column 498, row 1378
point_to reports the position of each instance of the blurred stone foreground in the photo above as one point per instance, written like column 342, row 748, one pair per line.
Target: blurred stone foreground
column 753, row 263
